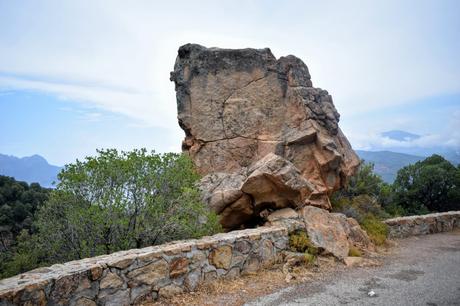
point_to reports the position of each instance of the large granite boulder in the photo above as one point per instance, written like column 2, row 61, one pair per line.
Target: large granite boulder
column 325, row 231
column 258, row 131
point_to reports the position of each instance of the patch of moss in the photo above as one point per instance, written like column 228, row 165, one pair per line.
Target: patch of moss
column 300, row 242
column 376, row 229
column 354, row 252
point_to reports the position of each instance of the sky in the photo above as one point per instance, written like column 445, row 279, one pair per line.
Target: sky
column 80, row 75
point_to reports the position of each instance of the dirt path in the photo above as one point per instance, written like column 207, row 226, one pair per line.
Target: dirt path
column 422, row 271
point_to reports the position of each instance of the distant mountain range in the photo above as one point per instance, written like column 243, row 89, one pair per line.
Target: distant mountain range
column 387, row 163
column 31, row 169
column 400, row 148
column 409, row 143
column 35, row 168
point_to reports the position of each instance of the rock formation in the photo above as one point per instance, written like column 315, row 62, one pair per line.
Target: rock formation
column 263, row 137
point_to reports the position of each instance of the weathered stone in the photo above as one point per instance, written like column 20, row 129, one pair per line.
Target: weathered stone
column 240, row 211
column 114, row 298
column 221, row 189
column 266, row 252
column 275, row 182
column 233, row 273
column 197, row 259
column 178, row 267
column 210, row 276
column 111, row 281
column 140, row 293
column 237, row 260
column 122, row 263
column 83, row 301
column 352, row 261
column 170, row 291
column 355, row 234
column 238, row 106
column 221, row 257
column 242, row 246
column 31, row 296
column 65, row 286
column 251, row 265
column 96, row 272
column 325, row 231
column 193, row 279
column 151, row 274
column 281, row 214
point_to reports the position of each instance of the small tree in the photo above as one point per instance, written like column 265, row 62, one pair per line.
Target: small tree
column 120, row 200
column 429, row 185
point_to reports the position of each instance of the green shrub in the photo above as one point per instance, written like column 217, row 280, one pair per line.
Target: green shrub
column 376, row 229
column 430, row 185
column 300, row 242
column 309, row 259
column 116, row 201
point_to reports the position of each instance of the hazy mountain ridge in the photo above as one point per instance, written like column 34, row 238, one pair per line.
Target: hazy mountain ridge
column 387, row 163
column 31, row 169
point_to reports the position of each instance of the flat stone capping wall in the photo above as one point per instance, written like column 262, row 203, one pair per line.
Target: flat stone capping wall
column 421, row 225
column 131, row 277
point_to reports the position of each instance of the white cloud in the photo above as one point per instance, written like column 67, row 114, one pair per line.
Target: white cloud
column 375, row 141
column 118, row 56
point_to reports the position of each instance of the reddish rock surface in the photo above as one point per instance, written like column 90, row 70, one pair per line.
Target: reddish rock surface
column 239, row 106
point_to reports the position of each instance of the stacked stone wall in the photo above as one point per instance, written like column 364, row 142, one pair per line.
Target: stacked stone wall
column 421, row 225
column 133, row 276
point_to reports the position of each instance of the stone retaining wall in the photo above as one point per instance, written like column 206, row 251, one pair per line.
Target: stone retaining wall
column 422, row 225
column 131, row 277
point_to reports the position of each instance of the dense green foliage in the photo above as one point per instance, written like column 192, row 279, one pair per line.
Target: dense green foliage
column 112, row 202
column 429, row 185
column 364, row 194
column 18, row 202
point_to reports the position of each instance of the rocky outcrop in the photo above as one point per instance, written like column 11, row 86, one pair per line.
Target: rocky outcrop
column 263, row 135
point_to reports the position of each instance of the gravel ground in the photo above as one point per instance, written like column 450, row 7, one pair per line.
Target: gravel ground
column 422, row 270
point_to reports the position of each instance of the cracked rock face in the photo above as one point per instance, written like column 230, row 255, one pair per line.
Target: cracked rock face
column 259, row 128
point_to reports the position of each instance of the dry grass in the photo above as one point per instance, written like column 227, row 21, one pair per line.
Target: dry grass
column 243, row 289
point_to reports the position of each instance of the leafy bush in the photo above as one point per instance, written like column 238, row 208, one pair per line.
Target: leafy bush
column 18, row 204
column 428, row 186
column 117, row 201
column 376, row 229
column 300, row 242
